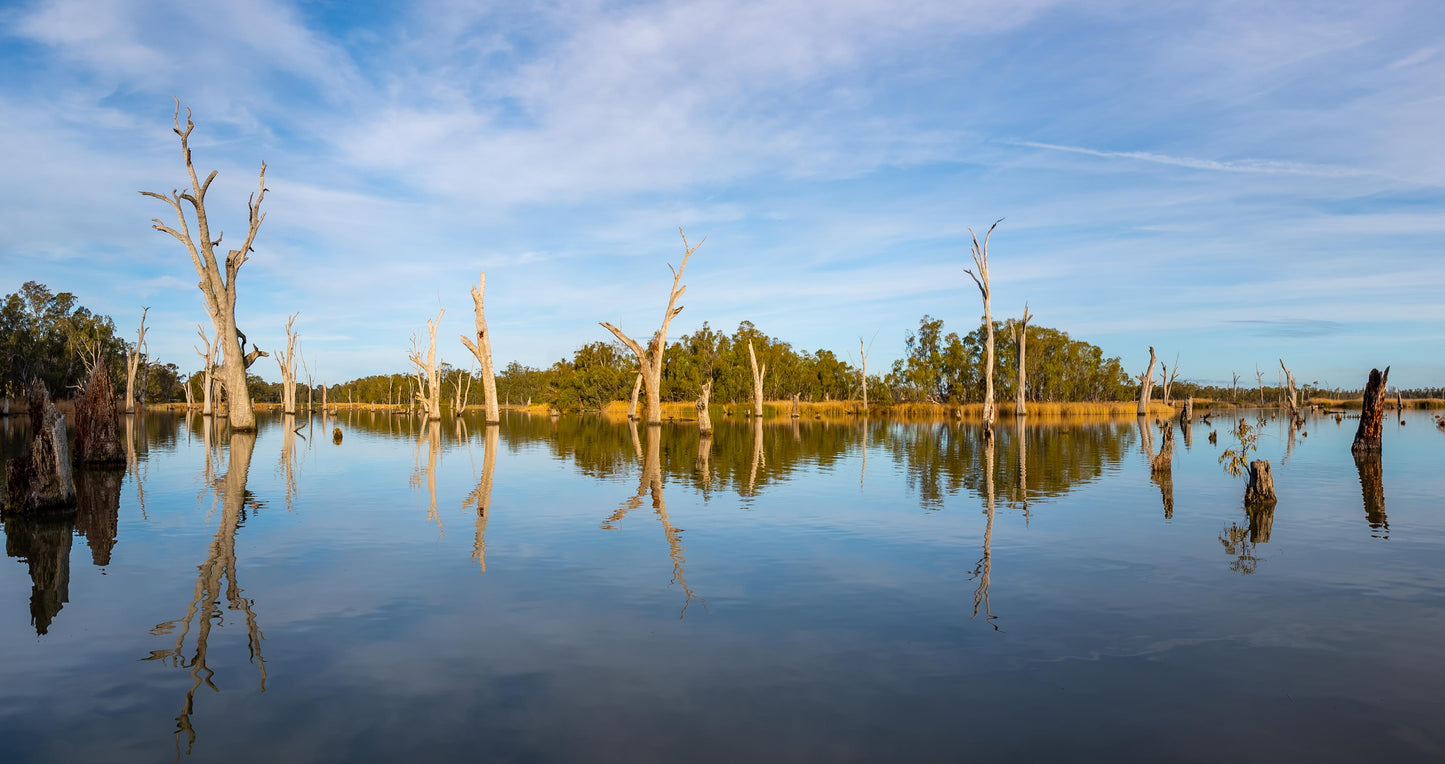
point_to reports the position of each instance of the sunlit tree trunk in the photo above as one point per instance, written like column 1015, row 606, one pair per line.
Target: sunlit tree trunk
column 1021, row 340
column 1146, row 384
column 632, row 402
column 428, row 379
column 863, row 372
column 980, row 260
column 758, row 373
column 133, row 361
column 482, row 349
column 650, row 360
column 217, row 280
column 287, row 361
column 1293, row 399
column 1372, row 414
column 704, row 419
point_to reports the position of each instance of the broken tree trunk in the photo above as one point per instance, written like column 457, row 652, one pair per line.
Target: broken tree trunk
column 133, row 361
column 40, row 479
column 208, row 372
column 1186, row 414
column 97, row 427
column 1164, row 460
column 632, row 402
column 863, row 373
column 482, row 349
column 1372, row 414
column 1260, row 489
column 980, row 261
column 796, row 413
column 1021, row 339
column 704, row 419
column 217, row 279
column 428, row 379
column 1293, row 399
column 1146, row 384
column 650, row 360
column 286, row 359
column 758, row 373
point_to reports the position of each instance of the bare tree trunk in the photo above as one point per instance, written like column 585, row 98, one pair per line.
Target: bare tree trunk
column 217, row 285
column 650, row 360
column 1021, row 340
column 482, row 349
column 863, row 373
column 97, row 429
column 1167, row 378
column 1164, row 460
column 980, row 260
column 480, row 499
column 1146, row 384
column 1293, row 399
column 758, row 373
column 1259, row 378
column 428, row 379
column 796, row 413
column 704, row 418
column 632, row 402
column 1372, row 414
column 287, row 361
column 1234, row 391
column 323, row 396
column 1260, row 489
column 983, row 571
column 208, row 372
column 41, row 478
column 133, row 361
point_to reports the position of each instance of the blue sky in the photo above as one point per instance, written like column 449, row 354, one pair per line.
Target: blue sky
column 1229, row 182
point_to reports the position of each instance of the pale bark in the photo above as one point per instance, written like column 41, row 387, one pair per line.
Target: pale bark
column 704, row 419
column 863, row 372
column 480, row 499
column 1167, row 379
column 133, row 361
column 632, row 402
column 286, row 359
column 1293, row 399
column 428, row 380
column 482, row 349
column 758, row 373
column 1021, row 340
column 1146, row 384
column 217, row 280
column 984, row 569
column 980, row 261
column 650, row 360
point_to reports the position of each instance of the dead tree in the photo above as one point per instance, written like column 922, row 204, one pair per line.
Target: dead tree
column 1146, row 384
column 309, row 386
column 428, row 380
column 1259, row 379
column 1234, row 391
column 287, row 361
column 482, row 349
column 217, row 280
column 1260, row 489
column 1164, row 460
column 133, row 361
column 1167, row 379
column 980, row 261
column 650, row 360
column 1372, row 414
column 41, row 479
column 863, row 372
column 208, row 371
column 758, row 373
column 632, row 402
column 1020, row 330
column 704, row 419
column 1293, row 399
column 97, row 428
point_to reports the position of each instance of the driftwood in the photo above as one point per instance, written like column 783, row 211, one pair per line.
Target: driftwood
column 1260, row 489
column 97, row 426
column 40, row 479
column 1372, row 414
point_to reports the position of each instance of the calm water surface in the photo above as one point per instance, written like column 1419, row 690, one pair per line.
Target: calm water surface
column 578, row 590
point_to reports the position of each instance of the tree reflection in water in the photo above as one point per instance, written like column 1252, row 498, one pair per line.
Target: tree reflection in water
column 204, row 610
column 1372, row 488
column 480, row 499
column 432, row 432
column 984, row 569
column 650, row 482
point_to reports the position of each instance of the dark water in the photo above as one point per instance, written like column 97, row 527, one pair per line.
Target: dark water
column 569, row 591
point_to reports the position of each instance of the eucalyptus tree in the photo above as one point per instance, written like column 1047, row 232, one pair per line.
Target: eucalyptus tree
column 980, row 261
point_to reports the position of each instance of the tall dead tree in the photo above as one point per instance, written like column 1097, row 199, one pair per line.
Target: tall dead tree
column 1146, row 384
column 217, row 280
column 286, row 359
column 428, row 379
column 208, row 371
column 758, row 373
column 1020, row 331
column 1372, row 414
column 482, row 349
column 980, row 261
column 1234, row 391
column 133, row 361
column 1167, row 378
column 704, row 418
column 863, row 372
column 632, row 402
column 650, row 360
column 1259, row 379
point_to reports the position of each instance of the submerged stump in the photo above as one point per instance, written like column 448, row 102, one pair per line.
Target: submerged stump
column 1260, row 489
column 1372, row 414
column 97, row 423
column 40, row 479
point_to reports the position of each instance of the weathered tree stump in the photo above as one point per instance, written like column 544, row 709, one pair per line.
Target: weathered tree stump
column 40, row 479
column 1260, row 489
column 1372, row 414
column 704, row 419
column 1164, row 460
column 795, row 406
column 1214, row 437
column 1186, row 414
column 97, row 425
column 336, row 436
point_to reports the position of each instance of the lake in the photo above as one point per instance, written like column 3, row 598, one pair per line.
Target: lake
column 580, row 589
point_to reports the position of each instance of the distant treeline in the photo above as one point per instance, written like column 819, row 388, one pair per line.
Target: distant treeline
column 47, row 337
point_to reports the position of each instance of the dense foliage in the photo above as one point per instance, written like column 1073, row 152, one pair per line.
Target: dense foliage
column 47, row 337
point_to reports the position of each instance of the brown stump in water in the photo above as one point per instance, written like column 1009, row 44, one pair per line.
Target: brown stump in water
column 1261, row 484
column 1186, row 415
column 1164, row 460
column 97, row 426
column 40, row 479
column 336, row 436
column 1372, row 414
